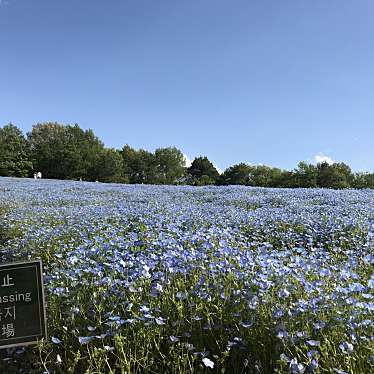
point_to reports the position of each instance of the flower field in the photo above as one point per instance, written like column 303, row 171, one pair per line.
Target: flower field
column 180, row 279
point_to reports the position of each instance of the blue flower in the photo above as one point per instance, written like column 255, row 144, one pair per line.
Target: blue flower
column 313, row 343
column 85, row 339
column 346, row 347
column 208, row 363
column 55, row 340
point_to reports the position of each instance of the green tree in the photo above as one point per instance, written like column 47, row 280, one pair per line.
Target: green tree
column 170, row 165
column 14, row 152
column 284, row 179
column 82, row 150
column 129, row 157
column 337, row 175
column 236, row 174
column 139, row 166
column 202, row 172
column 147, row 168
column 47, row 143
column 306, row 175
column 265, row 176
column 64, row 152
column 108, row 166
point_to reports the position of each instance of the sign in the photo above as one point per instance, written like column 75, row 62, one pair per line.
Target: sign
column 22, row 308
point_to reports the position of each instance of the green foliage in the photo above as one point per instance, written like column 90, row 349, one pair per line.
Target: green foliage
column 164, row 166
column 108, row 166
column 236, row 174
column 64, row 152
column 202, row 172
column 305, row 175
column 265, row 176
column 14, row 153
column 170, row 165
column 139, row 166
column 69, row 152
column 363, row 180
column 333, row 176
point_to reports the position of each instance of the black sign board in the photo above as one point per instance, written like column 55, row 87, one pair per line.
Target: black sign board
column 22, row 308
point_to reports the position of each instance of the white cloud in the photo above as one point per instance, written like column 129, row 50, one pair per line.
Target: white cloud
column 187, row 161
column 320, row 157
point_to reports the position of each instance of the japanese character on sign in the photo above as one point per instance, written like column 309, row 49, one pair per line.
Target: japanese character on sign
column 8, row 330
column 7, row 281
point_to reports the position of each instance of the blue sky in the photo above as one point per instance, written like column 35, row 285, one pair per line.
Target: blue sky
column 259, row 81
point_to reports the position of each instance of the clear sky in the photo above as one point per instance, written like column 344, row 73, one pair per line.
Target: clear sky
column 259, row 81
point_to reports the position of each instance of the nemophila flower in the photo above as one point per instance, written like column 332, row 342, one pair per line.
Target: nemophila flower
column 356, row 287
column 367, row 296
column 371, row 282
column 313, row 343
column 58, row 359
column 346, row 347
column 246, row 325
column 55, row 340
column 283, row 293
column 295, row 367
column 278, row 313
column 160, row 321
column 158, row 287
column 144, row 309
column 319, row 325
column 208, row 363
column 312, row 366
column 338, row 371
column 181, row 295
column 174, row 339
column 282, row 334
column 119, row 246
column 85, row 339
column 301, row 334
column 197, row 318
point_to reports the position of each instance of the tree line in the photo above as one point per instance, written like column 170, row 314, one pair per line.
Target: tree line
column 69, row 152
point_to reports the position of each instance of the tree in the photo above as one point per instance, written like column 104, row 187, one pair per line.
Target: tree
column 139, row 166
column 48, row 147
column 284, row 179
column 345, row 171
column 236, row 174
column 264, row 176
column 337, row 175
column 64, row 152
column 363, row 180
column 108, row 166
column 306, row 175
column 14, row 153
column 83, row 149
column 202, row 172
column 170, row 165
column 147, row 167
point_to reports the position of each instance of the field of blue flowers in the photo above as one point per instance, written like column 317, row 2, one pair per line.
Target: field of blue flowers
column 180, row 279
